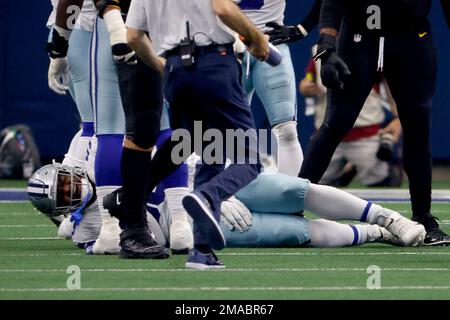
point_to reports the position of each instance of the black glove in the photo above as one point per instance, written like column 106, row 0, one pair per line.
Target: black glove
column 122, row 53
column 58, row 46
column 333, row 67
column 283, row 34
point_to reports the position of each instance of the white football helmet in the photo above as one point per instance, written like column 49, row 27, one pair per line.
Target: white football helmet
column 57, row 189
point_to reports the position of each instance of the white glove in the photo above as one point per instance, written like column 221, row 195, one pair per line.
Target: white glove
column 58, row 75
column 235, row 215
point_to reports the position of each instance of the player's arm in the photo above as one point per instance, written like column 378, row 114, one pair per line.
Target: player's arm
column 285, row 34
column 333, row 68
column 139, row 41
column 67, row 14
column 230, row 14
column 111, row 12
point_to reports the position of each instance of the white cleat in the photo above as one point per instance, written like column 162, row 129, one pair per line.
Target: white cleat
column 181, row 237
column 375, row 233
column 109, row 239
column 408, row 232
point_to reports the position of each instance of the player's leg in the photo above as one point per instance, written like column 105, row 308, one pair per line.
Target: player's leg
column 362, row 154
column 110, row 127
column 412, row 80
column 175, row 188
column 270, row 230
column 274, row 192
column 334, row 204
column 326, row 233
column 78, row 60
column 337, row 164
column 247, row 65
column 276, row 88
column 344, row 105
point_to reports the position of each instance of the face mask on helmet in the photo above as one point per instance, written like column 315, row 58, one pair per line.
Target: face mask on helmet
column 58, row 189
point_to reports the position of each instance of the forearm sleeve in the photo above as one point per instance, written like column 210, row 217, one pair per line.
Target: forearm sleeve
column 331, row 14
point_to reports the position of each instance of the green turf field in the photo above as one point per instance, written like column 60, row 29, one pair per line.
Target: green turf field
column 33, row 265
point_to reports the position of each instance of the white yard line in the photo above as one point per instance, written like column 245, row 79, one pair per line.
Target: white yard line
column 363, row 269
column 384, row 253
column 30, row 238
column 231, row 289
column 27, row 225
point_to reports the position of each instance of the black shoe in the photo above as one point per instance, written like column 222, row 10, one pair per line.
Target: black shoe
column 435, row 236
column 139, row 243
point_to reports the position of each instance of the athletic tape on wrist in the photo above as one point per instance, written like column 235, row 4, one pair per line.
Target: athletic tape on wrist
column 116, row 27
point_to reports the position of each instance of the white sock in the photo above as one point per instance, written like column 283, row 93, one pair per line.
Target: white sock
column 109, row 224
column 174, row 197
column 334, row 204
column 289, row 151
column 325, row 233
column 181, row 236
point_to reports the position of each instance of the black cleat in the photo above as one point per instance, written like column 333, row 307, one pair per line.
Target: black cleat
column 435, row 236
column 140, row 243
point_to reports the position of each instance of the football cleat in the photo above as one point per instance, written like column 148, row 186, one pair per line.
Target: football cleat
column 410, row 233
column 203, row 261
column 435, row 236
column 379, row 234
column 200, row 210
column 140, row 243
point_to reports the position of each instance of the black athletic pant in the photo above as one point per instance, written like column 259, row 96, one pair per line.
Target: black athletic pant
column 410, row 68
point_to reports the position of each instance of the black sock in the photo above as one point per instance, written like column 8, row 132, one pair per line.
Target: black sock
column 162, row 165
column 135, row 167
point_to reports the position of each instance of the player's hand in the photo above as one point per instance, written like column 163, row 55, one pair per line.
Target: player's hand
column 235, row 215
column 58, row 75
column 259, row 47
column 122, row 53
column 283, row 34
column 394, row 128
column 333, row 69
column 76, row 218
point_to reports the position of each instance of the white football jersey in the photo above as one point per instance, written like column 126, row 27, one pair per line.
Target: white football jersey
column 86, row 19
column 261, row 12
column 165, row 20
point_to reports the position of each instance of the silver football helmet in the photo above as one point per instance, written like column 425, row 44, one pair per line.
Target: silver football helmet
column 57, row 189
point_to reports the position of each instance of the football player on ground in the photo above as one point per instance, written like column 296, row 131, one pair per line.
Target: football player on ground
column 108, row 56
column 264, row 214
column 64, row 190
